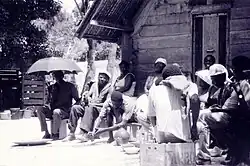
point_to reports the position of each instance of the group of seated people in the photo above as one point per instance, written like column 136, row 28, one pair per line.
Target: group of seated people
column 174, row 108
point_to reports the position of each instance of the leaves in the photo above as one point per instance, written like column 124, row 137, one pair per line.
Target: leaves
column 20, row 39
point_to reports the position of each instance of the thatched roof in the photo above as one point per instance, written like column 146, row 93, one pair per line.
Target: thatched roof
column 107, row 19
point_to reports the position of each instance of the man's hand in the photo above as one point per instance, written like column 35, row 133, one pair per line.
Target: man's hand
column 91, row 136
column 99, row 131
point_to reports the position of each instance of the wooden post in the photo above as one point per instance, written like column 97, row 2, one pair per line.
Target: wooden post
column 126, row 47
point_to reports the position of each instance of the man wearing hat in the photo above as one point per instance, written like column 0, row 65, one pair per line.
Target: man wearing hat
column 159, row 65
column 120, row 107
column 214, row 118
column 90, row 108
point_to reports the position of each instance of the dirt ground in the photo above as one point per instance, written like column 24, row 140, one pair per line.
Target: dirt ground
column 57, row 152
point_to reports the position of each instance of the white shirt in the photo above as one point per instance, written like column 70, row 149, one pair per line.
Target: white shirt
column 165, row 103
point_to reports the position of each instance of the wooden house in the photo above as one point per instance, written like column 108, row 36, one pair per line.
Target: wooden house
column 182, row 31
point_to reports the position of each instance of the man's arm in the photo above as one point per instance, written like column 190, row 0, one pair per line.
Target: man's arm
column 75, row 94
column 112, row 128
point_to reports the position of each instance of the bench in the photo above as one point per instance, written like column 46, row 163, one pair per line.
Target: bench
column 62, row 129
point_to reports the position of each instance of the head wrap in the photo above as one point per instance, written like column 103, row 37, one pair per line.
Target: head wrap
column 116, row 96
column 217, row 69
column 204, row 75
column 106, row 73
column 171, row 70
column 161, row 60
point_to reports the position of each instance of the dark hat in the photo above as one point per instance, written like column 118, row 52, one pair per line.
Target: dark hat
column 116, row 96
column 58, row 73
column 241, row 63
column 171, row 70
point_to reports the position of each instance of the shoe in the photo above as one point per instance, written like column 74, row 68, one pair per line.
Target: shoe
column 55, row 137
column 47, row 136
column 70, row 137
column 84, row 138
column 200, row 161
column 110, row 140
column 215, row 152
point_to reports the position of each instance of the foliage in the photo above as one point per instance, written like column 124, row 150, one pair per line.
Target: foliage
column 20, row 39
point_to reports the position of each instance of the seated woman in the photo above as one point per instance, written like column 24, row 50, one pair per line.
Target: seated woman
column 125, row 83
column 203, row 82
column 159, row 65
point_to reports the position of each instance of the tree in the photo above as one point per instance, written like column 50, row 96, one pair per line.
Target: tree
column 20, row 39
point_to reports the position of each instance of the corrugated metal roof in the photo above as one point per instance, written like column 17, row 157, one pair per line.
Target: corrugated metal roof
column 108, row 11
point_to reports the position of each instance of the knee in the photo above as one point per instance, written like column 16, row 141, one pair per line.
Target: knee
column 56, row 112
column 200, row 126
column 89, row 109
column 40, row 110
column 75, row 108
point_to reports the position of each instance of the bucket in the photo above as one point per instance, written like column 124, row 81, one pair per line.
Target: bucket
column 16, row 113
column 27, row 113
column 6, row 115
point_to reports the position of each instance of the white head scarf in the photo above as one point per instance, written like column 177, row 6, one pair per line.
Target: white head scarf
column 100, row 72
column 204, row 75
column 161, row 60
column 217, row 69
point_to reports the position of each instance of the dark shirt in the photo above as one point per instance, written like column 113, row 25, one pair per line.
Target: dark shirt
column 223, row 97
column 60, row 95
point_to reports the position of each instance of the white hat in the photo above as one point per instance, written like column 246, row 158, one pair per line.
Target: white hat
column 204, row 75
column 217, row 69
column 105, row 72
column 161, row 60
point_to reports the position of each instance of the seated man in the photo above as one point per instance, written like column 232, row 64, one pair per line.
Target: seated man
column 58, row 105
column 210, row 119
column 167, row 111
column 122, row 108
column 90, row 109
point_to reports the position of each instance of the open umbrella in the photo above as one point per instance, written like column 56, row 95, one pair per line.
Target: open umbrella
column 53, row 64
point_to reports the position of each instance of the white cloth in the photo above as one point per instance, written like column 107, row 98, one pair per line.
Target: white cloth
column 142, row 106
column 204, row 75
column 192, row 89
column 165, row 103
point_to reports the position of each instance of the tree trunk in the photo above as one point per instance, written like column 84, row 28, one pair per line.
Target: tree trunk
column 90, row 65
column 112, row 66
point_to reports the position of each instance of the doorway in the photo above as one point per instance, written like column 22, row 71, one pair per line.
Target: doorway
column 210, row 37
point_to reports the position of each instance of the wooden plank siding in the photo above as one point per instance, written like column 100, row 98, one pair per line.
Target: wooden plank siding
column 165, row 30
column 240, row 29
column 166, row 33
column 33, row 91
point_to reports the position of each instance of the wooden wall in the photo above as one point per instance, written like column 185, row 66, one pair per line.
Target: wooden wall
column 240, row 28
column 164, row 31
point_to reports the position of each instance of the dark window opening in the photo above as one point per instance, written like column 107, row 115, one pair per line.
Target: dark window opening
column 222, row 39
column 198, row 35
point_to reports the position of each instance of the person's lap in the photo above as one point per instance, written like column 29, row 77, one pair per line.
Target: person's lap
column 49, row 113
